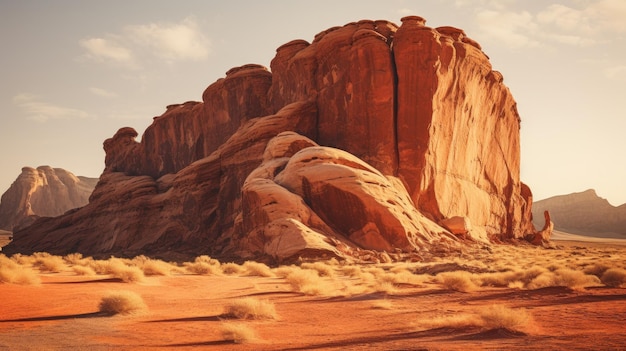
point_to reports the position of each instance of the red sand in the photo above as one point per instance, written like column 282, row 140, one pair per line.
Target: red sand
column 185, row 314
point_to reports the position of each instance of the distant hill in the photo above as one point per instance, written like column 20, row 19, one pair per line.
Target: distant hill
column 583, row 213
column 43, row 192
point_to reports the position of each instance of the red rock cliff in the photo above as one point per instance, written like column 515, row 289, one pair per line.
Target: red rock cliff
column 394, row 130
column 42, row 192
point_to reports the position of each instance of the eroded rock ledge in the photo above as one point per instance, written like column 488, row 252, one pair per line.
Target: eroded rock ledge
column 372, row 138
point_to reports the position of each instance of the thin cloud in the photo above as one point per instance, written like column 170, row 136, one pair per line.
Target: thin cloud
column 107, row 50
column 102, row 92
column 179, row 41
column 514, row 29
column 580, row 24
column 183, row 41
column 35, row 109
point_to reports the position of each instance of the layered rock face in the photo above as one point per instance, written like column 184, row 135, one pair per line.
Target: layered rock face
column 370, row 138
column 584, row 213
column 42, row 192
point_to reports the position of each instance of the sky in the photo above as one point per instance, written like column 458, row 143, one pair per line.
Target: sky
column 73, row 72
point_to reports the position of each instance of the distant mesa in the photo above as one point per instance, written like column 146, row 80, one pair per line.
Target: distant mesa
column 373, row 141
column 42, row 192
column 584, row 213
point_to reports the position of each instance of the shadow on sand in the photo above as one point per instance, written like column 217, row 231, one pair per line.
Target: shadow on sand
column 59, row 317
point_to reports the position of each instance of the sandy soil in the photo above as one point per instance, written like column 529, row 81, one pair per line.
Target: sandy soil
column 186, row 311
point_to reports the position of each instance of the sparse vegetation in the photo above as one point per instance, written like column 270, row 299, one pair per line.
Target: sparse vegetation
column 12, row 272
column 308, row 281
column 614, row 277
column 238, row 333
column 457, row 280
column 122, row 302
column 499, row 316
column 257, row 269
column 251, row 308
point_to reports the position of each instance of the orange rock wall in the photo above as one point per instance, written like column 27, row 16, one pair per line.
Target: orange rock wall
column 420, row 105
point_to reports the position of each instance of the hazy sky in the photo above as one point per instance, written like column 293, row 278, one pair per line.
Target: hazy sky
column 73, row 72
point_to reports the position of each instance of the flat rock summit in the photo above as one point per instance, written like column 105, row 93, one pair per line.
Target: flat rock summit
column 373, row 141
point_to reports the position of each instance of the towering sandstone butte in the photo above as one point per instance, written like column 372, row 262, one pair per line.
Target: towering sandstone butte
column 42, row 192
column 371, row 138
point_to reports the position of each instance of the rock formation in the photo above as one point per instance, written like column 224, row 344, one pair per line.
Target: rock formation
column 584, row 213
column 368, row 139
column 42, row 192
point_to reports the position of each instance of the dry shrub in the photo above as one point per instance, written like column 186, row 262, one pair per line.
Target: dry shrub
column 251, row 308
column 596, row 269
column 457, row 281
column 453, row 321
column 563, row 277
column 498, row 279
column 322, row 268
column 203, row 268
column 351, row 271
column 83, row 270
column 308, row 282
column 404, row 277
column 238, row 333
column 122, row 302
column 258, row 269
column 117, row 268
column 74, row 259
column 153, row 267
column 232, row 268
column 284, row 271
column 48, row 263
column 13, row 273
column 23, row 260
column 499, row 316
column 614, row 277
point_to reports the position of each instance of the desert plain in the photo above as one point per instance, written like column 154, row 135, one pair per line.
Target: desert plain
column 499, row 297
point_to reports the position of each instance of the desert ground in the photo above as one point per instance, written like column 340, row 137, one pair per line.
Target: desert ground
column 502, row 297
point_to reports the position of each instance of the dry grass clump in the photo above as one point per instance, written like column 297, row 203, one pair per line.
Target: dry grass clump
column 614, row 277
column 232, row 268
column 152, row 267
column 238, row 333
column 48, row 263
column 117, row 268
column 13, row 273
column 75, row 259
column 499, row 316
column 457, row 281
column 83, row 270
column 258, row 269
column 322, row 268
column 563, row 277
column 490, row 317
column 122, row 302
column 251, row 308
column 596, row 269
column 203, row 267
column 404, row 277
column 309, row 282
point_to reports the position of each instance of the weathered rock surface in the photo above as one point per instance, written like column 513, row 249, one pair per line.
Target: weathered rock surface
column 584, row 213
column 42, row 192
column 367, row 139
